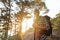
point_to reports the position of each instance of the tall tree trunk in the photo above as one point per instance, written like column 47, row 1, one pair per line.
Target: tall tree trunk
column 36, row 31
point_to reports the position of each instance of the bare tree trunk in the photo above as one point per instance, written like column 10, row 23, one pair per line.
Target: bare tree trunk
column 36, row 31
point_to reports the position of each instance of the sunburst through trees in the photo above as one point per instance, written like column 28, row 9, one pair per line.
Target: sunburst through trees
column 12, row 24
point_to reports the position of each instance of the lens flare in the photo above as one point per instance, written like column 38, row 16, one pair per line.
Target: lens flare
column 27, row 23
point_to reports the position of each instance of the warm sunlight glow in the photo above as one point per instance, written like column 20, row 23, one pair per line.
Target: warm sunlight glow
column 27, row 23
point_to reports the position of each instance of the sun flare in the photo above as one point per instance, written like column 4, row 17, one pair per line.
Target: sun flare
column 27, row 23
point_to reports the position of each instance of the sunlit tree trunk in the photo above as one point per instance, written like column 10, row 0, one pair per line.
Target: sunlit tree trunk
column 37, row 33
column 36, row 15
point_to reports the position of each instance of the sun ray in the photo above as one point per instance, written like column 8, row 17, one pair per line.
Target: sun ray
column 27, row 23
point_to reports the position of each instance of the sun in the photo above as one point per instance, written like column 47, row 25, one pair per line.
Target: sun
column 27, row 23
